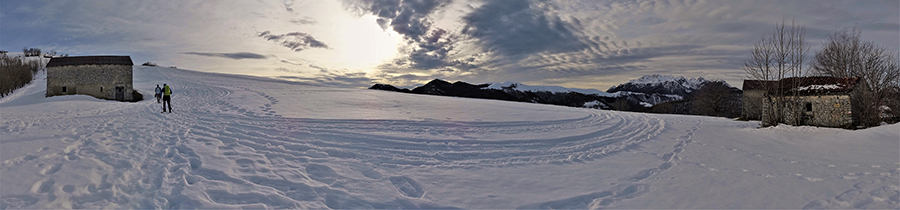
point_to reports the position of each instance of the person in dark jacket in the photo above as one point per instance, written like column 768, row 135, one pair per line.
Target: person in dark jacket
column 167, row 97
column 158, row 94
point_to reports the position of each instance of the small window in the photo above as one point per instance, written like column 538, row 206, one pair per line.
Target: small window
column 808, row 107
column 64, row 89
column 101, row 89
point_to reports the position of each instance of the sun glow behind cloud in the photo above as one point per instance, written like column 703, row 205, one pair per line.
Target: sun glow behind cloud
column 363, row 45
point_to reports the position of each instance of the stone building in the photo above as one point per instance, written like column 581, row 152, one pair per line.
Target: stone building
column 105, row 77
column 816, row 101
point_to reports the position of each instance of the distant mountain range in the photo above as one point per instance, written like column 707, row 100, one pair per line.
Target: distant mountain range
column 651, row 90
column 511, row 92
column 641, row 94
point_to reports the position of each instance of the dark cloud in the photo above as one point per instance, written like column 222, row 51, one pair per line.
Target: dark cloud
column 321, row 69
column 521, row 27
column 236, row 56
column 288, row 4
column 432, row 52
column 407, row 17
column 428, row 48
column 505, row 34
column 297, row 41
column 304, row 21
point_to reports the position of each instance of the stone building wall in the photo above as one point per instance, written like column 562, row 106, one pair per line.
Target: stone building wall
column 824, row 110
column 752, row 104
column 95, row 80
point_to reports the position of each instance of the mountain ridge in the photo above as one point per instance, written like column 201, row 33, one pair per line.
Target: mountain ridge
column 639, row 95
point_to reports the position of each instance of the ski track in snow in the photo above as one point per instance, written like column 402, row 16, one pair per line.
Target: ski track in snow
column 634, row 187
column 220, row 150
column 157, row 161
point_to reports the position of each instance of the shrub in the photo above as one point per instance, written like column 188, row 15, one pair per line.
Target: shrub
column 30, row 52
column 15, row 73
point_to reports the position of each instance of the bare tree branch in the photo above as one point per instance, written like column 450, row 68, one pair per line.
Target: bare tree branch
column 846, row 55
column 776, row 56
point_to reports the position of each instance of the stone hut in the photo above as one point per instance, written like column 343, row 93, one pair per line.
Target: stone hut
column 816, row 101
column 105, row 77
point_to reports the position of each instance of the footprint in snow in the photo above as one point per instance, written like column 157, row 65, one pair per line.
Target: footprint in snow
column 43, row 186
column 68, row 188
column 321, row 173
column 367, row 171
column 51, row 169
column 407, row 186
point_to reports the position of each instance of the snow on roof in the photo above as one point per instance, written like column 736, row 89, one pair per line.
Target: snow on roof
column 818, row 84
column 820, row 87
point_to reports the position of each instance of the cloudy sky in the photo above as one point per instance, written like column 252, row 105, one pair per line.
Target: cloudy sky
column 356, row 43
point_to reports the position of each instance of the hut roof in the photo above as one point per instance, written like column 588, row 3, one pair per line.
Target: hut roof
column 816, row 85
column 804, row 85
column 756, row 84
column 88, row 60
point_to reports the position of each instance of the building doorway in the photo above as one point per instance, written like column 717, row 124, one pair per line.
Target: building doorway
column 120, row 93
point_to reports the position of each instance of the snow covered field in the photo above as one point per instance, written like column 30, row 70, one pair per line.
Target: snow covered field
column 247, row 142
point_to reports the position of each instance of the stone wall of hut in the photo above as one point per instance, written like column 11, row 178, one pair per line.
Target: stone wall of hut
column 816, row 110
column 101, row 81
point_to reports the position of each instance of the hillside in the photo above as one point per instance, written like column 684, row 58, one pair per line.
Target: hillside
column 248, row 142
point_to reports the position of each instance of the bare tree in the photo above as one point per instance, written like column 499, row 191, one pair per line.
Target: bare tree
column 15, row 72
column 846, row 55
column 839, row 55
column 776, row 56
column 29, row 52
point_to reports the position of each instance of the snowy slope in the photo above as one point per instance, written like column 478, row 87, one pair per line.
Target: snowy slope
column 246, row 142
column 661, row 84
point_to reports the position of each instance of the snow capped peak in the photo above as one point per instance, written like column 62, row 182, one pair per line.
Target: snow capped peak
column 656, row 79
column 690, row 83
column 669, row 82
column 556, row 89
